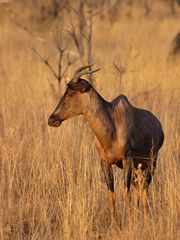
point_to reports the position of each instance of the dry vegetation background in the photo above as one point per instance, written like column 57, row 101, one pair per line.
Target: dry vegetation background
column 51, row 185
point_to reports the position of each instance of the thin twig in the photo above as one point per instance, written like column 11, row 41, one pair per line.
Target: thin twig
column 45, row 61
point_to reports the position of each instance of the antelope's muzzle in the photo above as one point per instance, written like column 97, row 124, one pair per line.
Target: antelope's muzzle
column 54, row 121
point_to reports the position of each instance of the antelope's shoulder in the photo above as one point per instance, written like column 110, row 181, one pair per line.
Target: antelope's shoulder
column 121, row 101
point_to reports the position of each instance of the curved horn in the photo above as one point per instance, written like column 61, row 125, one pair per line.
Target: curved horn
column 82, row 68
column 82, row 71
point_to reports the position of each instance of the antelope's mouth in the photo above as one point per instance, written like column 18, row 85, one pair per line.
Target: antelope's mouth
column 56, row 124
column 53, row 123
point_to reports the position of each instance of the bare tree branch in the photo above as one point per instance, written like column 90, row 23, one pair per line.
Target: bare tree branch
column 46, row 62
column 119, row 72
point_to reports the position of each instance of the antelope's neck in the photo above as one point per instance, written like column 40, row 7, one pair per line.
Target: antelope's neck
column 99, row 116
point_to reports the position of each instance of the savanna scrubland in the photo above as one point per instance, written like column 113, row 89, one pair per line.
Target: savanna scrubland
column 51, row 183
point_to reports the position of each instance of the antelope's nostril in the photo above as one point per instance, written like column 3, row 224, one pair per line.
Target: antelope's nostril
column 50, row 121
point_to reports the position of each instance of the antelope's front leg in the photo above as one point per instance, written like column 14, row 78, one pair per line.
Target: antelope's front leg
column 108, row 173
column 127, row 169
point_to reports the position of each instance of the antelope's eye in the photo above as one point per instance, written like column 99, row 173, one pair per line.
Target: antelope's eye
column 70, row 92
column 69, row 86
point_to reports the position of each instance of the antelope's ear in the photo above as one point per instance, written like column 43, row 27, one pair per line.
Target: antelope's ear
column 81, row 86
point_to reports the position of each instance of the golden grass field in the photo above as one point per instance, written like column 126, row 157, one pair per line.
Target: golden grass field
column 51, row 184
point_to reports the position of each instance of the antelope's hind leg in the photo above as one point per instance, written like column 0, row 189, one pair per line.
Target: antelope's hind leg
column 137, row 181
column 108, row 173
column 144, row 192
column 141, row 180
column 148, row 173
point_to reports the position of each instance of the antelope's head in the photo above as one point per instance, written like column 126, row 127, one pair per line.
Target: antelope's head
column 74, row 101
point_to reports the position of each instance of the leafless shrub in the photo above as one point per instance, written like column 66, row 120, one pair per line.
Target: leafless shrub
column 64, row 61
column 79, row 31
column 120, row 67
column 147, row 7
column 176, row 45
column 120, row 70
column 173, row 4
column 81, row 16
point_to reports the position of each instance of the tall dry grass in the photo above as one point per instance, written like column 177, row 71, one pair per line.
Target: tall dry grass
column 51, row 185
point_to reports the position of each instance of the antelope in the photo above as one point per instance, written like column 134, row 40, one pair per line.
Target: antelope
column 125, row 136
